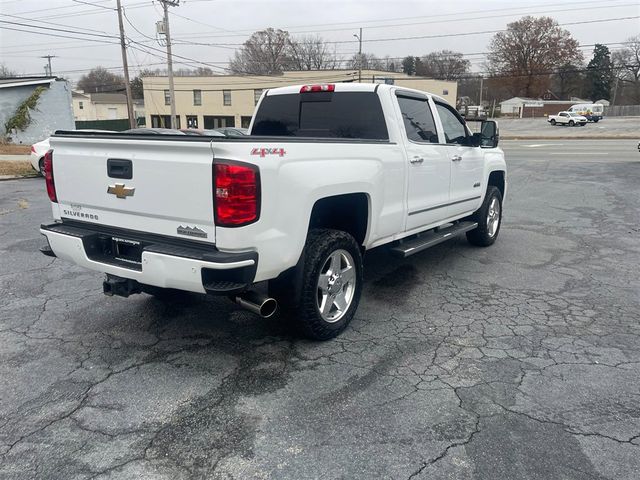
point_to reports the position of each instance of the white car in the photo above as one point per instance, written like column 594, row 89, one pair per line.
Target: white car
column 37, row 155
column 282, row 215
column 567, row 118
column 39, row 149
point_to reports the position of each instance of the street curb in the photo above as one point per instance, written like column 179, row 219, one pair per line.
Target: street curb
column 17, row 177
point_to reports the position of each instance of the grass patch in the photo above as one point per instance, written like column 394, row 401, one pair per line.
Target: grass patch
column 16, row 168
column 11, row 149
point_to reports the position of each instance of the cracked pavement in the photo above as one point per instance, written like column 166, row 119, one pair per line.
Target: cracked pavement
column 521, row 360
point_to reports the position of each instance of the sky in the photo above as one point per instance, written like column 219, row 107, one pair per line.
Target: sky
column 206, row 32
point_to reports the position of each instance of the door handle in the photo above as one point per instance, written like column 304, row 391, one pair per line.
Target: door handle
column 416, row 160
column 456, row 158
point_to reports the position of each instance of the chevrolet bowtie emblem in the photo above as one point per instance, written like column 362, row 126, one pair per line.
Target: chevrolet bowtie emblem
column 120, row 191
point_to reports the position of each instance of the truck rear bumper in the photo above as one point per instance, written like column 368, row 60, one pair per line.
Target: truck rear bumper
column 152, row 260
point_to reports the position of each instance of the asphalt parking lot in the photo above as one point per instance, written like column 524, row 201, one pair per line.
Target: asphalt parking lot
column 519, row 361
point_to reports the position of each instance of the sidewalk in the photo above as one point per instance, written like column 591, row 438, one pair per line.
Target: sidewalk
column 15, row 158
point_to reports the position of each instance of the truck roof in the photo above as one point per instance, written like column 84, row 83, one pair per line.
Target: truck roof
column 350, row 87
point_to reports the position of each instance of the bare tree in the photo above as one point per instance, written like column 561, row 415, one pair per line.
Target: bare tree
column 444, row 65
column 368, row 62
column 311, row 53
column 264, row 53
column 99, row 79
column 568, row 80
column 626, row 64
column 525, row 55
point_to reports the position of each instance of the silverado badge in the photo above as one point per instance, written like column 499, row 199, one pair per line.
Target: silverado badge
column 120, row 191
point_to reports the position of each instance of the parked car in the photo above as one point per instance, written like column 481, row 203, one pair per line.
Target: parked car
column 39, row 149
column 195, row 131
column 155, row 131
column 283, row 215
column 232, row 131
column 37, row 155
column 567, row 118
column 594, row 112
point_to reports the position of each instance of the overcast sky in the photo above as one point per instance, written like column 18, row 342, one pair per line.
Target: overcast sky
column 224, row 24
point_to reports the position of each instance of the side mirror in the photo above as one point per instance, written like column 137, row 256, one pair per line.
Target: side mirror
column 489, row 134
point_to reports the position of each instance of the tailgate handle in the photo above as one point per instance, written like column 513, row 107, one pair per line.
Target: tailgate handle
column 120, row 168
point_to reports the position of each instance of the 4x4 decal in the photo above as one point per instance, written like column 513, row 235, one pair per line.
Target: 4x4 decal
column 263, row 152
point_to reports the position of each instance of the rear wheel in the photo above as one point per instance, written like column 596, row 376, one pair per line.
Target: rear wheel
column 41, row 166
column 596, row 120
column 329, row 285
column 489, row 219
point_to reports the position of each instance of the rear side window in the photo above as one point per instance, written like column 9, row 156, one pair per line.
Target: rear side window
column 418, row 120
column 322, row 115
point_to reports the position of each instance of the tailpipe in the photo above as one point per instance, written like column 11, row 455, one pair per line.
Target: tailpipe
column 257, row 303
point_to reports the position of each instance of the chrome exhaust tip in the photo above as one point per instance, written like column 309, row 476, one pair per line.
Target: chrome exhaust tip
column 257, row 303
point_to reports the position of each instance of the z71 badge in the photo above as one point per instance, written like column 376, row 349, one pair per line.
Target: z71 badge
column 191, row 231
column 263, row 152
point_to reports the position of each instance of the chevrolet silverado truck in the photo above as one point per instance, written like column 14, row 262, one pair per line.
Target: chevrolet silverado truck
column 279, row 219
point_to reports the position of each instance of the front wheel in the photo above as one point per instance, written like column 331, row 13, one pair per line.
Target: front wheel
column 553, row 122
column 489, row 219
column 571, row 123
column 329, row 287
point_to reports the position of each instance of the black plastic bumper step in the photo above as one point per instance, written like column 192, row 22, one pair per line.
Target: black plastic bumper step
column 431, row 238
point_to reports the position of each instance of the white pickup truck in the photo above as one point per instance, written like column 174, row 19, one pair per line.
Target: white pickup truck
column 567, row 118
column 285, row 214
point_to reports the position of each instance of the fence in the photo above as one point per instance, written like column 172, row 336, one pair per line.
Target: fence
column 622, row 111
column 117, row 125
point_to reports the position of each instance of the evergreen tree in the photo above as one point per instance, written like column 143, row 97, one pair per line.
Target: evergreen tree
column 599, row 74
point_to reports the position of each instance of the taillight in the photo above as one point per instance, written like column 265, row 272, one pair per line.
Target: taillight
column 318, row 88
column 48, row 176
column 236, row 194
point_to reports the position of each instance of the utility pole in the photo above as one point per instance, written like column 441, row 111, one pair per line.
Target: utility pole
column 165, row 6
column 48, row 70
column 481, row 84
column 125, row 66
column 359, row 37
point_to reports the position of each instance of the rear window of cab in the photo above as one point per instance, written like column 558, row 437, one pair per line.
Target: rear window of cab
column 356, row 115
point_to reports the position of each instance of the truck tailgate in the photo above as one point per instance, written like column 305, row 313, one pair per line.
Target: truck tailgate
column 169, row 191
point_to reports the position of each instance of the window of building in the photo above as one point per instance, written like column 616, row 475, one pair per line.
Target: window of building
column 192, row 121
column 215, row 121
column 167, row 97
column 257, row 93
column 197, row 97
column 418, row 120
column 163, row 121
column 226, row 97
column 80, row 105
column 245, row 121
column 445, row 92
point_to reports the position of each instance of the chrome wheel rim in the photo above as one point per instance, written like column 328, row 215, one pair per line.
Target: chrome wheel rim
column 493, row 217
column 336, row 286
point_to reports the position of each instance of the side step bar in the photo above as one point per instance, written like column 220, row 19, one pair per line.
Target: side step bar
column 431, row 238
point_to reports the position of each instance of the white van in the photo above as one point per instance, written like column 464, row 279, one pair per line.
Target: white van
column 593, row 111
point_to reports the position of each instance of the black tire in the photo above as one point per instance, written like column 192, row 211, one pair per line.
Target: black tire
column 299, row 295
column 596, row 120
column 553, row 122
column 482, row 236
column 41, row 166
column 571, row 123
